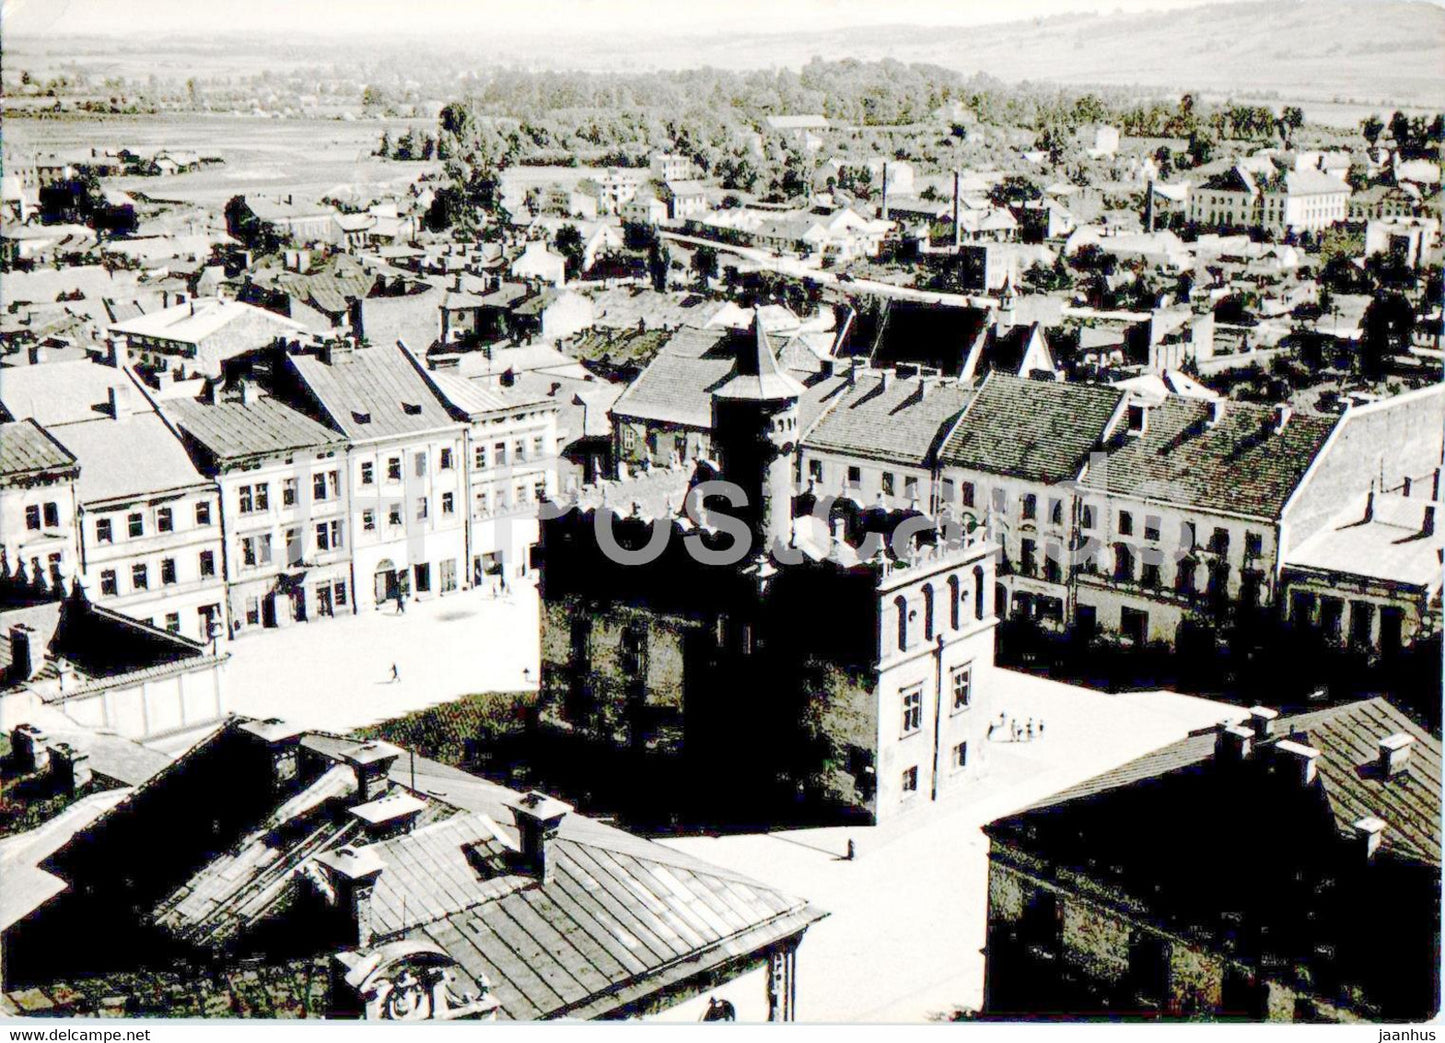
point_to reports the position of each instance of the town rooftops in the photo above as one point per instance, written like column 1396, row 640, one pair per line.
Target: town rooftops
column 135, row 457
column 889, row 418
column 372, row 393
column 27, row 448
column 287, row 209
column 1230, row 457
column 195, row 321
column 756, row 374
column 233, row 430
column 1039, row 430
column 68, row 392
column 1381, row 537
column 933, row 335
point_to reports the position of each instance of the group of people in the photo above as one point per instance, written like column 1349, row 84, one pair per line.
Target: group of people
column 1014, row 731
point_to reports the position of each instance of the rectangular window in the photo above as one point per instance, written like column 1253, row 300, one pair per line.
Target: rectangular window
column 318, row 486
column 208, row 563
column 421, row 508
column 32, row 516
column 288, row 492
column 393, row 469
column 1126, row 523
column 1031, row 506
column 340, row 592
column 421, row 464
column 968, row 494
column 1151, row 527
column 164, row 521
column 138, row 578
column 910, row 781
column 393, row 515
column 855, row 477
column 448, row 504
column 263, row 496
column 248, row 551
column 1219, row 541
column 52, row 515
column 539, row 489
column 945, row 490
column 499, row 454
column 961, row 681
column 108, row 584
column 536, row 446
column 295, row 552
column 1253, row 544
column 423, row 577
column 368, row 521
column 445, row 463
column 960, row 756
column 887, row 483
column 1000, row 502
column 480, row 456
column 168, row 571
column 1149, row 575
column 323, row 537
column 367, row 474
column 263, row 548
column 173, row 622
column 1028, row 557
column 519, row 450
column 253, row 611
column 136, row 525
column 910, row 488
column 245, row 500
column 1087, row 518
column 203, row 512
column 102, row 530
column 449, row 575
column 912, row 709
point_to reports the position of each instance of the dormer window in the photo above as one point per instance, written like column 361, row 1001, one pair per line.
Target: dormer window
column 411, row 408
column 360, row 417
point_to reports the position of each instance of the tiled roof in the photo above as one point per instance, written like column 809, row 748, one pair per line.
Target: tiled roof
column 1240, row 465
column 756, row 374
column 1040, row 430
column 677, row 386
column 1347, row 738
column 903, row 421
column 26, row 447
column 373, row 393
column 232, row 430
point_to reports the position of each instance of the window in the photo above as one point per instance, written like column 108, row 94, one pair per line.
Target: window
column 168, row 571
column 102, row 530
column 32, row 517
column 1123, row 563
column 108, row 584
column 1031, row 506
column 253, row 611
column 539, row 489
column 421, row 508
column 481, row 458
column 368, row 520
column 1087, row 517
column 1187, row 535
column 519, row 450
column 328, row 535
column 910, row 488
column 968, row 493
column 1184, row 577
column 960, row 756
column 1219, row 541
column 855, row 477
column 393, row 469
column 263, row 496
column 138, row 578
column 1253, row 544
column 339, row 591
column 910, row 781
column 173, row 622
column 203, row 512
column 423, row 577
column 1151, row 527
column 499, row 454
column 52, row 515
column 1149, row 575
column 887, row 483
column 288, row 492
column 1028, row 557
column 945, row 490
column 245, row 500
column 1000, row 502
column 136, row 525
column 448, row 575
column 393, row 515
column 421, row 464
column 318, row 486
column 536, row 448
column 1126, row 523
column 1056, row 512
column 368, row 474
column 164, row 521
column 448, row 503
column 445, row 463
column 912, row 709
column 208, row 563
column 961, row 681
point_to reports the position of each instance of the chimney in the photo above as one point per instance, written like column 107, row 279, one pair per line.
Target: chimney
column 1370, row 504
column 247, row 392
column 282, row 743
column 1149, row 208
column 1138, row 418
column 28, row 749
column 1369, row 831
column 352, row 873
column 883, row 380
column 22, row 653
column 957, row 227
column 1302, row 759
column 1216, row 412
column 1428, row 527
column 1435, row 486
column 37, row 354
column 70, row 766
column 1282, row 413
column 884, row 214
column 118, row 402
column 1261, row 721
column 371, row 761
column 1234, row 743
column 537, row 817
column 1394, row 757
column 388, row 816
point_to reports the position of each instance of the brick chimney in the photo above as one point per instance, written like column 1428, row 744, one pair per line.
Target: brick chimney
column 372, row 761
column 1301, row 760
column 29, row 749
column 118, row 402
column 1369, row 832
column 1282, row 413
column 70, row 767
column 1261, row 721
column 352, row 873
column 1233, row 744
column 388, row 816
column 22, row 654
column 282, row 743
column 1394, row 754
column 538, row 817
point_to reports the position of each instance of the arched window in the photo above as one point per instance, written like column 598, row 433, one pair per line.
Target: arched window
column 901, row 604
column 927, row 612
column 955, row 595
column 978, row 592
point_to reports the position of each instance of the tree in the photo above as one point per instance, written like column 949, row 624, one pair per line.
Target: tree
column 704, row 263
column 1384, row 332
column 1201, row 147
column 659, row 261
column 384, row 148
column 569, row 244
column 1372, row 127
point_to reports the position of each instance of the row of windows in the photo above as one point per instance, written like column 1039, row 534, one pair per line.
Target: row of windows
column 395, row 515
column 522, row 450
column 135, row 522
column 327, row 597
column 256, row 550
column 958, row 759
column 960, row 687
column 35, row 512
column 419, row 466
column 255, row 498
column 206, row 614
column 1188, row 533
column 140, row 574
column 956, row 596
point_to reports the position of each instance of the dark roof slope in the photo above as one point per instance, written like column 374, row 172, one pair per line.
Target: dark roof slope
column 902, row 421
column 935, row 335
column 1040, row 430
column 1239, row 465
column 233, row 430
column 26, row 447
column 373, row 393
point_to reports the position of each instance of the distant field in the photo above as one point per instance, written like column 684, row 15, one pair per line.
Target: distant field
column 305, row 157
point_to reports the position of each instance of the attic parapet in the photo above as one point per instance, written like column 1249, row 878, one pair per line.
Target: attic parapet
column 936, row 557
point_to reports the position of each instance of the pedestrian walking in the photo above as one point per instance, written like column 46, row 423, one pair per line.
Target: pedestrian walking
column 395, row 675
column 1041, row 727
column 1014, row 731
column 1030, row 730
column 401, row 604
column 852, row 851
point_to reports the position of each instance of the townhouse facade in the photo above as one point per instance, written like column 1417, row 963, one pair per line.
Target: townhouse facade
column 37, row 507
column 1251, row 196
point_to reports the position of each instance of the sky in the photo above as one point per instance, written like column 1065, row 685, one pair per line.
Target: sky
column 505, row 17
